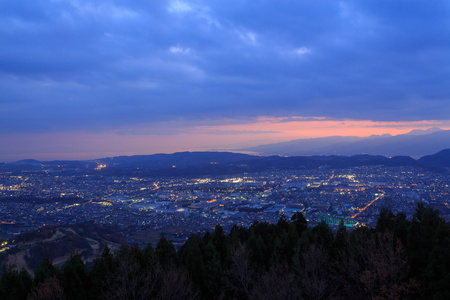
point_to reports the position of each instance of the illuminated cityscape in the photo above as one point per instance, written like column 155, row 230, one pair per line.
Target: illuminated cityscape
column 144, row 207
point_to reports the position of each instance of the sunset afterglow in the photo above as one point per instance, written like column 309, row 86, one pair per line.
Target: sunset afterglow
column 85, row 80
column 264, row 130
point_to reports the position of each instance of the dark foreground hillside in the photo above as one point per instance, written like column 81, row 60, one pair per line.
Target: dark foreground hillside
column 399, row 259
column 58, row 242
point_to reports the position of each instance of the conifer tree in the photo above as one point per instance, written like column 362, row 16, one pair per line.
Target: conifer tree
column 300, row 222
column 15, row 284
column 165, row 251
column 219, row 240
column 45, row 270
column 75, row 278
column 191, row 257
column 102, row 268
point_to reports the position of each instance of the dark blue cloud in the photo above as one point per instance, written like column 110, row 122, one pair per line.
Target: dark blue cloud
column 77, row 65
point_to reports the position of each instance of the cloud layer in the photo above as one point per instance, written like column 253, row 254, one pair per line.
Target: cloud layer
column 93, row 66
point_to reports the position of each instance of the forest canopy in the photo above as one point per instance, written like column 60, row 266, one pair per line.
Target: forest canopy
column 398, row 259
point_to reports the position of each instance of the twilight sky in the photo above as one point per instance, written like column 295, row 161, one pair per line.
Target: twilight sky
column 88, row 79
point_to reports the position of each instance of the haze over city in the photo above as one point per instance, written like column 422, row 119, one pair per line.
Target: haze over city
column 84, row 80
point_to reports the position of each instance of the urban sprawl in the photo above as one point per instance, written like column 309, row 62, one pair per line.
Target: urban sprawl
column 179, row 207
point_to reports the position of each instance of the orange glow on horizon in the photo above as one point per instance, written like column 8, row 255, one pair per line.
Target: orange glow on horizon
column 146, row 139
column 295, row 128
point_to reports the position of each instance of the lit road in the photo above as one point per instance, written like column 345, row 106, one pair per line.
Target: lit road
column 365, row 207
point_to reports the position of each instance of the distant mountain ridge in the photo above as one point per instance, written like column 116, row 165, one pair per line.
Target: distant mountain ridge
column 440, row 159
column 178, row 159
column 219, row 163
column 416, row 143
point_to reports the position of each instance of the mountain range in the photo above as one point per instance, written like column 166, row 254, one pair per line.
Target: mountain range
column 416, row 143
column 218, row 163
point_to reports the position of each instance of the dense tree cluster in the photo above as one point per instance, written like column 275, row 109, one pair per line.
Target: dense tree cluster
column 398, row 259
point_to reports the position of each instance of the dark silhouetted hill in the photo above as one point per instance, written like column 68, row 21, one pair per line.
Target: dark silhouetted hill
column 58, row 243
column 179, row 159
column 218, row 163
column 440, row 159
